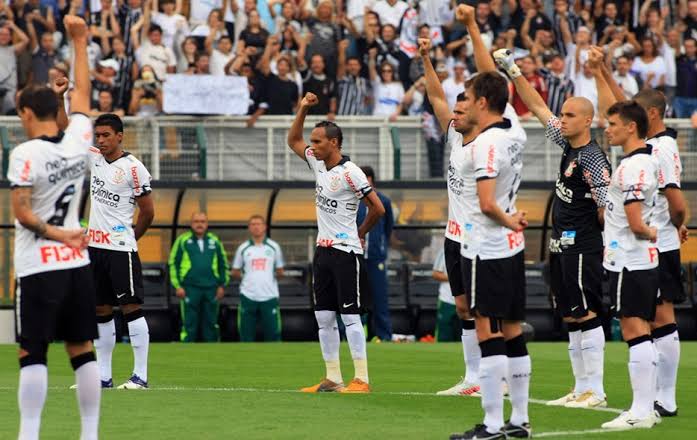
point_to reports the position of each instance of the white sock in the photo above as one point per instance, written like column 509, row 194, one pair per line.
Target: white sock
column 89, row 391
column 518, row 378
column 33, row 385
column 104, row 346
column 642, row 365
column 492, row 373
column 577, row 366
column 473, row 355
column 329, row 342
column 140, row 342
column 355, row 335
column 668, row 348
column 593, row 345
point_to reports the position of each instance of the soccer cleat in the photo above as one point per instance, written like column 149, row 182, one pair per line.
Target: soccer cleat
column 562, row 401
column 105, row 384
column 626, row 420
column 587, row 399
column 462, row 388
column 662, row 411
column 325, row 386
column 134, row 383
column 517, row 431
column 356, row 386
column 478, row 432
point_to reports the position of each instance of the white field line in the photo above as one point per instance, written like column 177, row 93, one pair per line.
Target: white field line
column 571, row 433
column 281, row 391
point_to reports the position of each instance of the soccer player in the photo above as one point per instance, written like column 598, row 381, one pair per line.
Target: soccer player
column 669, row 219
column 492, row 251
column 119, row 183
column 258, row 262
column 576, row 245
column 54, row 297
column 338, row 260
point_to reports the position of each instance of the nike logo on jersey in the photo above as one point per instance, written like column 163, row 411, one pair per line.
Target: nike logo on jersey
column 120, row 296
column 346, row 306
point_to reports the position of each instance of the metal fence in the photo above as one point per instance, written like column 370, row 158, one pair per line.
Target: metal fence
column 224, row 148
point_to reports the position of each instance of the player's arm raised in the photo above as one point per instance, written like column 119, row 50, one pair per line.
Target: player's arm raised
column 606, row 98
column 434, row 89
column 375, row 211
column 295, row 134
column 482, row 59
column 77, row 30
column 532, row 99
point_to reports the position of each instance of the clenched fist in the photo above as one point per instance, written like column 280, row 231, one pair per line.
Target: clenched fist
column 424, row 47
column 75, row 26
column 465, row 14
column 309, row 100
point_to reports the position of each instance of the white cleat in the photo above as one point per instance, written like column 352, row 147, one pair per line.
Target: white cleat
column 562, row 401
column 626, row 420
column 587, row 400
column 461, row 388
column 134, row 383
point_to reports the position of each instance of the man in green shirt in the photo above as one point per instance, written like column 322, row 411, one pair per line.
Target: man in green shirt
column 198, row 269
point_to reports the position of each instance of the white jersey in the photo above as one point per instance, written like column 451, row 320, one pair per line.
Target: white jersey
column 55, row 169
column 665, row 149
column 496, row 153
column 338, row 192
column 114, row 187
column 444, row 293
column 458, row 203
column 258, row 264
column 634, row 181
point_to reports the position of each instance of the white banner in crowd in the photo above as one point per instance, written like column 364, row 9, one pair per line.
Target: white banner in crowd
column 206, row 95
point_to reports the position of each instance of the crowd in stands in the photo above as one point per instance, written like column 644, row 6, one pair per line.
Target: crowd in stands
column 359, row 56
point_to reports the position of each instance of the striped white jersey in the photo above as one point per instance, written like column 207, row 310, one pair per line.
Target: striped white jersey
column 55, row 169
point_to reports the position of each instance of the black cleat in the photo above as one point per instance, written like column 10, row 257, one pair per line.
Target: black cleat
column 662, row 411
column 478, row 432
column 522, row 431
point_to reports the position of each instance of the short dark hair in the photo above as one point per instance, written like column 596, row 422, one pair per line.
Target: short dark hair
column 353, row 57
column 331, row 131
column 109, row 120
column 494, row 88
column 369, row 172
column 41, row 100
column 225, row 37
column 460, row 97
column 154, row 28
column 631, row 111
column 651, row 98
column 689, row 39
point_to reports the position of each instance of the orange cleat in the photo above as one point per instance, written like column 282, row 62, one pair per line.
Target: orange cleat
column 356, row 386
column 326, row 386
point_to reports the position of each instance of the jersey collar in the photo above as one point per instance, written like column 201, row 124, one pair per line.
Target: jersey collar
column 54, row 139
column 125, row 153
column 643, row 150
column 667, row 132
column 343, row 160
column 505, row 124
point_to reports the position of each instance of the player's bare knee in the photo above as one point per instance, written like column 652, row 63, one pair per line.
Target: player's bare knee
column 462, row 311
column 511, row 329
column 127, row 309
column 633, row 328
column 105, row 310
column 75, row 349
column 665, row 314
column 32, row 353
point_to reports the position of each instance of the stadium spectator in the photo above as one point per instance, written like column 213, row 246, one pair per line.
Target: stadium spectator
column 323, row 86
column 103, row 22
column 528, row 10
column 129, row 13
column 258, row 262
column 220, row 56
column 8, row 63
column 103, row 78
column 324, row 35
column 353, row 91
column 287, row 17
column 146, row 99
column 105, row 104
column 202, row 64
column 649, row 66
column 685, row 102
column 624, row 79
column 606, row 23
column 376, row 250
column 214, row 28
column 174, row 25
column 447, row 328
column 283, row 94
column 559, row 85
column 198, row 270
column 153, row 53
column 415, row 98
column 390, row 11
column 564, row 18
column 43, row 57
column 527, row 68
column 688, row 14
column 199, row 11
column 253, row 39
column 125, row 74
column 387, row 91
column 455, row 84
column 187, row 55
column 488, row 20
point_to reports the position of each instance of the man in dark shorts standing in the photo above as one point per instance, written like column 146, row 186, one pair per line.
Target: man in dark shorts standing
column 338, row 260
column 576, row 245
column 54, row 297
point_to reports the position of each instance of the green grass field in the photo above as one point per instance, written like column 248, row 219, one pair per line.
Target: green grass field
column 246, row 391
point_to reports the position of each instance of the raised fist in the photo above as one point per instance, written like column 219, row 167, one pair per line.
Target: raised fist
column 504, row 59
column 424, row 46
column 465, row 14
column 75, row 26
column 309, row 100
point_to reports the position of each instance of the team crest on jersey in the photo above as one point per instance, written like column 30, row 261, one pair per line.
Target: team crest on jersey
column 119, row 176
column 570, row 170
column 335, row 183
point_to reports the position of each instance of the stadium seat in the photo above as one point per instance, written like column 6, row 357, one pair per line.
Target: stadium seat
column 539, row 313
column 422, row 291
column 401, row 316
column 155, row 285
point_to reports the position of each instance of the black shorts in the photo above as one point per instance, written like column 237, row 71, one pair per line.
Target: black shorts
column 56, row 305
column 634, row 293
column 496, row 287
column 670, row 278
column 576, row 282
column 118, row 277
column 339, row 281
column 453, row 266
